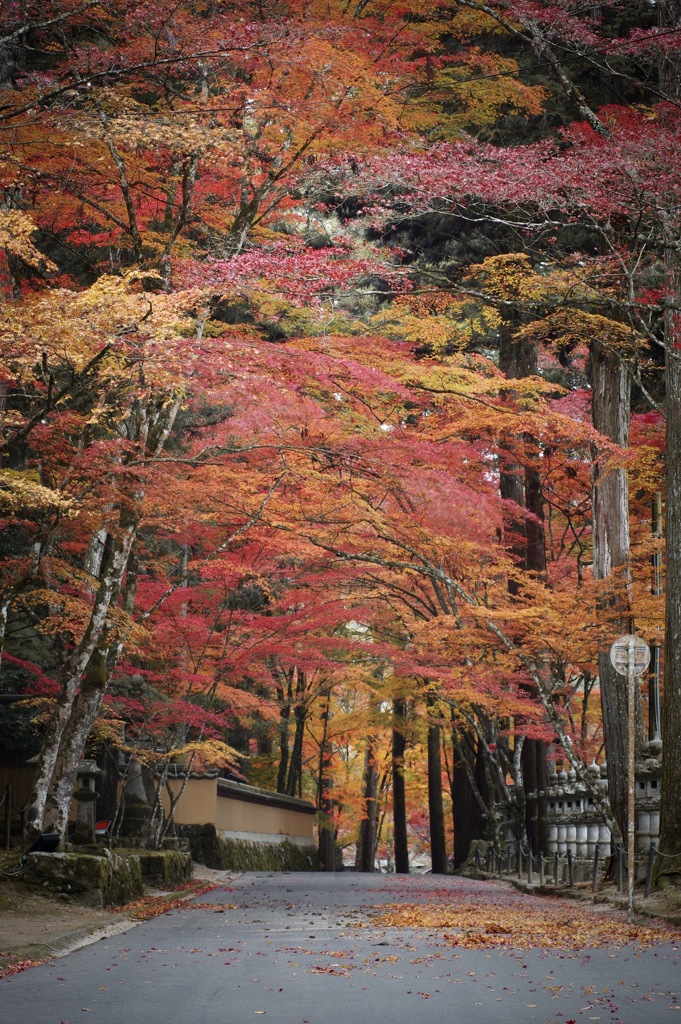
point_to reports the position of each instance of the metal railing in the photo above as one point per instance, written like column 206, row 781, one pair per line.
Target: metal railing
column 559, row 869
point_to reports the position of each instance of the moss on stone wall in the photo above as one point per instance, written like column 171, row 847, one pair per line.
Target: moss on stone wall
column 209, row 848
column 107, row 878
column 164, row 868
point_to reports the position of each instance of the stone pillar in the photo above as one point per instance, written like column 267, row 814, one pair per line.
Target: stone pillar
column 86, row 797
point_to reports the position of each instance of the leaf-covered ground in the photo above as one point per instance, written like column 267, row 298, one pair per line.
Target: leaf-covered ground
column 518, row 921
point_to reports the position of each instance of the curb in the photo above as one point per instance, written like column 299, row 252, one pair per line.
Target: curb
column 66, row 942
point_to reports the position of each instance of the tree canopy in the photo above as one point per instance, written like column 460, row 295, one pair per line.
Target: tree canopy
column 338, row 343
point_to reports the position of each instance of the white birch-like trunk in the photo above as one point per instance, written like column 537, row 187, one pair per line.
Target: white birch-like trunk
column 49, row 770
column 86, row 674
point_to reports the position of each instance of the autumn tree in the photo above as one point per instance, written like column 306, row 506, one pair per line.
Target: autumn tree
column 595, row 233
column 286, row 350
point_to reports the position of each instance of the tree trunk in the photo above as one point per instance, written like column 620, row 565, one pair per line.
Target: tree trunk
column 525, row 540
column 611, row 406
column 283, row 683
column 325, row 804
column 535, row 777
column 514, row 362
column 295, row 768
column 669, row 13
column 72, row 743
column 438, row 844
column 366, row 840
column 669, row 864
column 149, row 425
column 534, row 753
column 49, row 802
column 399, row 744
column 469, row 821
column 282, row 771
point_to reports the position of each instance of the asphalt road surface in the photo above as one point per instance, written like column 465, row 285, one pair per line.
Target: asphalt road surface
column 311, row 949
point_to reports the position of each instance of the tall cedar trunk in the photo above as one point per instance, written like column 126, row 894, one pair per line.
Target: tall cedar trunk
column 670, row 818
column 514, row 363
column 669, row 864
column 283, row 683
column 366, row 841
column 325, row 806
column 611, row 407
column 295, row 770
column 469, row 820
column 399, row 744
column 535, row 778
column 534, row 754
column 524, row 538
column 438, row 844
column 282, row 770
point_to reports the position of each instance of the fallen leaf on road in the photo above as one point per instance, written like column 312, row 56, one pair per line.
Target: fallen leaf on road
column 519, row 923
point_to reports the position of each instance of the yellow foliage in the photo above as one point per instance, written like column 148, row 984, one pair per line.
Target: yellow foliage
column 509, row 276
column 65, row 330
column 646, row 470
column 16, row 230
column 451, row 329
column 575, row 328
column 21, row 494
column 479, row 92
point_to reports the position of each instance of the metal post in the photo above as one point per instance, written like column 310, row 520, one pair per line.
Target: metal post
column 618, row 851
column 630, row 656
column 529, row 866
column 541, row 869
column 631, row 778
column 520, row 860
column 649, row 871
column 571, row 868
column 490, row 855
column 597, row 856
column 555, row 868
column 8, row 813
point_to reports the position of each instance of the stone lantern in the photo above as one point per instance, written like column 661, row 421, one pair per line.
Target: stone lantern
column 86, row 796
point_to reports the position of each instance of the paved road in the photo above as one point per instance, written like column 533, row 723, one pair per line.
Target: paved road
column 307, row 949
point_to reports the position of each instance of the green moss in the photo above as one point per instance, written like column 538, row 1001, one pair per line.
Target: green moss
column 109, row 878
column 209, row 848
column 164, row 868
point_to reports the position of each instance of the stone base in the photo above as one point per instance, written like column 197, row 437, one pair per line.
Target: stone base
column 109, row 878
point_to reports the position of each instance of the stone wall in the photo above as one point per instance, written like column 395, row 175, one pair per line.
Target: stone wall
column 213, row 848
column 107, row 878
column 242, row 815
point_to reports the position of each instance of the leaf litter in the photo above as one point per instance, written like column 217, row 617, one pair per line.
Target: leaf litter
column 515, row 921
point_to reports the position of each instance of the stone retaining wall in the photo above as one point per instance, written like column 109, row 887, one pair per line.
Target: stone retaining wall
column 108, row 878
